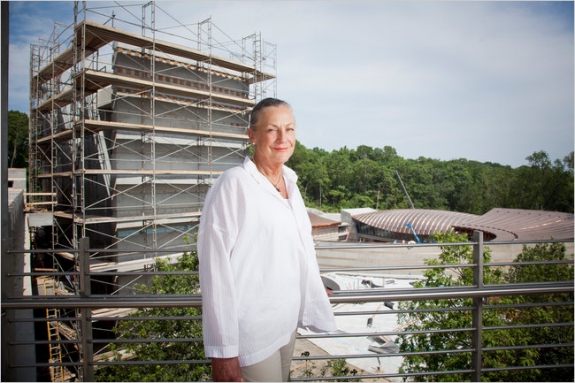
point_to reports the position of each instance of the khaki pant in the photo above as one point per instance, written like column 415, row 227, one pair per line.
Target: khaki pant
column 276, row 368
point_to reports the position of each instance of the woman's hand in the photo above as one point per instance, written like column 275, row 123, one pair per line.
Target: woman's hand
column 226, row 370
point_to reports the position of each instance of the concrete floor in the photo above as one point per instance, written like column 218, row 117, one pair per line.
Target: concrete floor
column 387, row 321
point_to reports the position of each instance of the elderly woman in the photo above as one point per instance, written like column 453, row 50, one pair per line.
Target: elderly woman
column 258, row 271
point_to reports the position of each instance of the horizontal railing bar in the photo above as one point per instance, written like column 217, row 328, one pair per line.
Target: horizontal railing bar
column 103, row 273
column 42, row 251
column 96, row 250
column 337, row 313
column 381, row 376
column 364, row 245
column 376, row 355
column 142, row 273
column 103, row 318
column 504, row 288
column 535, row 367
column 461, row 292
column 368, row 334
column 355, row 270
column 45, row 273
column 397, row 311
column 147, row 340
column 526, row 347
column 195, row 300
column 420, row 245
column 52, row 364
column 147, row 362
column 128, row 318
column 31, row 320
column 124, row 362
column 45, row 342
column 98, row 303
column 529, row 263
column 536, row 325
column 521, row 305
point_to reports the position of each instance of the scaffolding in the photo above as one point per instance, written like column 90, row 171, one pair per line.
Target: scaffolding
column 130, row 125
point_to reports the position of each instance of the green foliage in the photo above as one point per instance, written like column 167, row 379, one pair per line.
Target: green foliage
column 459, row 317
column 17, row 139
column 333, row 367
column 339, row 367
column 365, row 177
column 455, row 315
column 546, row 272
column 186, row 326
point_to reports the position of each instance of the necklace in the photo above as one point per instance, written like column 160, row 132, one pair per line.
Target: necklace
column 275, row 184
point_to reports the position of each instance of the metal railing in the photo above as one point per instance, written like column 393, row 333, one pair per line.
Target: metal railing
column 80, row 306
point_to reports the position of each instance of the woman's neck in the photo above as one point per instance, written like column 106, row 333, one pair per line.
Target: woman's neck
column 272, row 172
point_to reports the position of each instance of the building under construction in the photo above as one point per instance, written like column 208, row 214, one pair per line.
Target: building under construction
column 128, row 131
column 131, row 121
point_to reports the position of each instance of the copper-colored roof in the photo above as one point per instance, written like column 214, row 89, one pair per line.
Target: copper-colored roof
column 423, row 221
column 522, row 224
column 497, row 224
column 319, row 221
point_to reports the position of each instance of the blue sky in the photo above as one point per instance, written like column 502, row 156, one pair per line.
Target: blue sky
column 487, row 81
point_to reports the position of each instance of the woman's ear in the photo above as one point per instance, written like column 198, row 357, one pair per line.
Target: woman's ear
column 251, row 134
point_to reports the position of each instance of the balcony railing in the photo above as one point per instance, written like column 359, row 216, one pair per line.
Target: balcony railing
column 72, row 315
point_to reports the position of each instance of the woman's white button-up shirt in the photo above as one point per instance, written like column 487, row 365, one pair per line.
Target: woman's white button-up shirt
column 258, row 269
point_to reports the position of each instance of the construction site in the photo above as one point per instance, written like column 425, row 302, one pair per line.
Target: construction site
column 132, row 118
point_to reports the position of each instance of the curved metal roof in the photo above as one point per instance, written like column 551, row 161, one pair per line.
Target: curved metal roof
column 423, row 221
column 522, row 224
column 497, row 224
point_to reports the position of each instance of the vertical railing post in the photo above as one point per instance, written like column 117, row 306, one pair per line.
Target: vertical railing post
column 86, row 313
column 477, row 317
column 8, row 328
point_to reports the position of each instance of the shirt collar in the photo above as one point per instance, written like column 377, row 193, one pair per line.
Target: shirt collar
column 251, row 168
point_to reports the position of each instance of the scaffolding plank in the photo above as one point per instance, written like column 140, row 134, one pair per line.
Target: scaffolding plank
column 96, row 126
column 58, row 101
column 58, row 66
column 98, row 35
column 93, row 220
column 139, row 172
column 96, row 80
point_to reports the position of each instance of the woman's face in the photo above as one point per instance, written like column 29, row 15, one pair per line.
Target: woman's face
column 274, row 136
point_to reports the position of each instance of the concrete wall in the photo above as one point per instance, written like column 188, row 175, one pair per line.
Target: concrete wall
column 17, row 286
column 144, row 195
column 17, row 178
column 405, row 256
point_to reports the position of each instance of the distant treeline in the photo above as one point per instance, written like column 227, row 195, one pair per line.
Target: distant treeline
column 368, row 177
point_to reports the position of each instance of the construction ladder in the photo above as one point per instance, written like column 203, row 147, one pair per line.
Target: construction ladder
column 53, row 325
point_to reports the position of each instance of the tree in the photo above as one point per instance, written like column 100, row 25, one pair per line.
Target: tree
column 440, row 319
column 312, row 173
column 366, row 177
column 189, row 327
column 550, row 313
column 17, row 139
column 453, row 314
column 568, row 161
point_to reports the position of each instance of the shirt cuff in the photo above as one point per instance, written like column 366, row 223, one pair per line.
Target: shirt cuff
column 221, row 352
